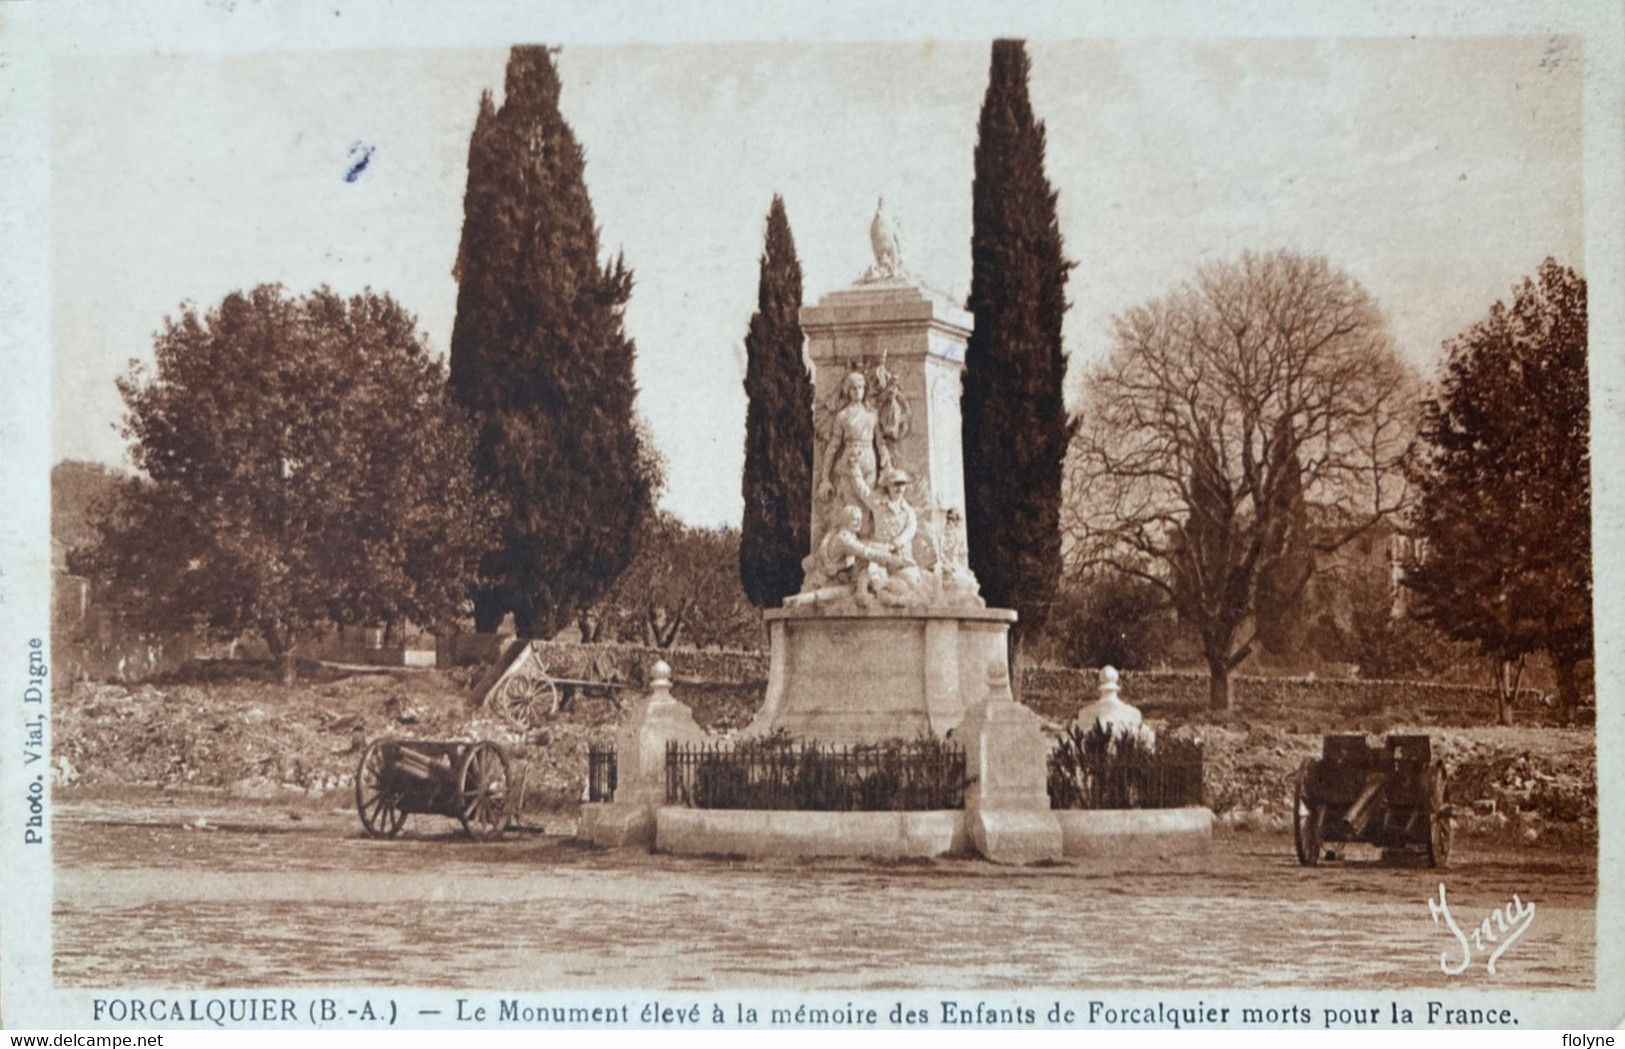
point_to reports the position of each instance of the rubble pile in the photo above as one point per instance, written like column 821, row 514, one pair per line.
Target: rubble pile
column 1533, row 785
column 253, row 738
column 260, row 740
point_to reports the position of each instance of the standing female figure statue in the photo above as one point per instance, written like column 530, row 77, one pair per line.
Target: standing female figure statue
column 854, row 453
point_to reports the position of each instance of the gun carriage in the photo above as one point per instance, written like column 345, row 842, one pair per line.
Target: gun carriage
column 1391, row 795
column 468, row 781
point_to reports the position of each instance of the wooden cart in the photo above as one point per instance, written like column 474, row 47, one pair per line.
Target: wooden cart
column 468, row 781
column 1390, row 795
column 529, row 692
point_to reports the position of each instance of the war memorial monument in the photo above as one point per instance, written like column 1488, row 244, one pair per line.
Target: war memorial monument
column 889, row 638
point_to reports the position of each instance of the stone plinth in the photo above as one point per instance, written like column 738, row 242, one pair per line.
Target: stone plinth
column 1007, row 809
column 1124, row 833
column 640, row 759
column 766, row 834
column 866, row 677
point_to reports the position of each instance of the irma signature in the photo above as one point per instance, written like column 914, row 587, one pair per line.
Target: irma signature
column 1498, row 931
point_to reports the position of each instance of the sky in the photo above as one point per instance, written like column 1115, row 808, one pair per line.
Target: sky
column 1437, row 171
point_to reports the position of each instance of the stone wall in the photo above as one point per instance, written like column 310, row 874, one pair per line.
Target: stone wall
column 1315, row 704
column 688, row 665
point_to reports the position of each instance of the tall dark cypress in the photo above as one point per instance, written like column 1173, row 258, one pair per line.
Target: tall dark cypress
column 540, row 358
column 479, row 295
column 1016, row 428
column 778, row 426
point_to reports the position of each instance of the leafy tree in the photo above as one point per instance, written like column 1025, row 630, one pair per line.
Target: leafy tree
column 1104, row 619
column 1259, row 389
column 302, row 466
column 1504, row 514
column 1015, row 424
column 81, row 492
column 778, row 427
column 682, row 588
column 1383, row 644
column 540, row 359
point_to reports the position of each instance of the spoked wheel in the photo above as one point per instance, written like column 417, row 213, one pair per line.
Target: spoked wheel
column 526, row 702
column 378, row 806
column 1312, row 845
column 482, row 785
column 1300, row 818
column 1439, row 824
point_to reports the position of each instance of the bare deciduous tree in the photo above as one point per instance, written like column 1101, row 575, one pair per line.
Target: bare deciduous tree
column 1256, row 410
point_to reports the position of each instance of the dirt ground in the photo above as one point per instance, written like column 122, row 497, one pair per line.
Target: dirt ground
column 205, row 836
column 181, row 889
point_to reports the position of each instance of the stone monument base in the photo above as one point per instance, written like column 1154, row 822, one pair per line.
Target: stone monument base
column 1119, row 833
column 1013, row 838
column 862, row 677
column 616, row 826
column 765, row 834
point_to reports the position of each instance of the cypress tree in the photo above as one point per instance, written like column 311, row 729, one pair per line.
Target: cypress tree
column 777, row 481
column 1016, row 428
column 541, row 360
column 479, row 299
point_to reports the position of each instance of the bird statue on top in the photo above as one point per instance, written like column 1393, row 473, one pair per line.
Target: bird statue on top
column 887, row 243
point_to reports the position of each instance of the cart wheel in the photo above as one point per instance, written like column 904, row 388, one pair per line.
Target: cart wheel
column 1312, row 835
column 1300, row 812
column 482, row 785
column 1438, row 825
column 379, row 807
column 526, row 702
column 516, row 797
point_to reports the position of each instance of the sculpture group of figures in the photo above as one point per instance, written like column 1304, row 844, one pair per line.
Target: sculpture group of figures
column 869, row 548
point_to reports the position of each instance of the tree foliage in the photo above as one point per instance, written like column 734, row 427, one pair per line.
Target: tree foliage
column 682, row 588
column 541, row 361
column 778, row 426
column 1504, row 514
column 1258, row 406
column 81, row 493
column 302, row 466
column 1106, row 618
column 1015, row 423
column 1382, row 644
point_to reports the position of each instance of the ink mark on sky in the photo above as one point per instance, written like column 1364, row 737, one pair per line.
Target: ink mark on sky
column 360, row 157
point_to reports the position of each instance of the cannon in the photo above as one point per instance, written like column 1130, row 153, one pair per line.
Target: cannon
column 468, row 781
column 1391, row 795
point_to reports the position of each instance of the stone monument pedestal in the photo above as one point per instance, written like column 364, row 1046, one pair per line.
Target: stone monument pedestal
column 863, row 677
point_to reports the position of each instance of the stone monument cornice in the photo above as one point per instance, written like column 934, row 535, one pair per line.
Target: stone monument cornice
column 911, row 615
column 887, row 305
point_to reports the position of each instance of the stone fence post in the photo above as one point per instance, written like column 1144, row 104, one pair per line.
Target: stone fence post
column 1007, row 754
column 640, row 767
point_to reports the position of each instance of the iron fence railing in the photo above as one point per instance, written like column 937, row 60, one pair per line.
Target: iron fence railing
column 600, row 773
column 779, row 773
column 1092, row 771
